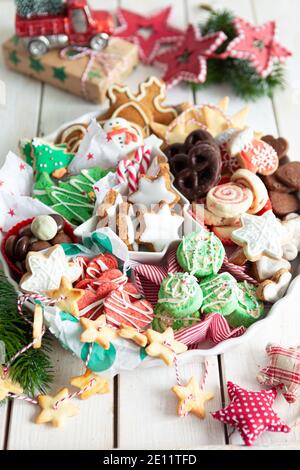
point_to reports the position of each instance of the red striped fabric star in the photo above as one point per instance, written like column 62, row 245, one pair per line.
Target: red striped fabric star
column 251, row 413
column 156, row 30
column 188, row 61
column 258, row 45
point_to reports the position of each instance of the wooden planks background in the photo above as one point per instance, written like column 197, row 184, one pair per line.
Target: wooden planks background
column 140, row 410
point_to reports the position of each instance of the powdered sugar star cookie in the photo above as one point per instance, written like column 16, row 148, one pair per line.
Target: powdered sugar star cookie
column 160, row 228
column 259, row 235
column 45, row 270
column 154, row 190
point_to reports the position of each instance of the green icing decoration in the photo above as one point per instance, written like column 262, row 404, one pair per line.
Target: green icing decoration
column 201, row 253
column 180, row 295
column 36, row 64
column 59, row 73
column 220, row 294
column 43, row 183
column 163, row 319
column 48, row 157
column 14, row 58
column 249, row 308
column 74, row 199
column 101, row 359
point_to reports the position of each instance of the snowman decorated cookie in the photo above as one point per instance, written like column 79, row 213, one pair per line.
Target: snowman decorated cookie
column 106, row 146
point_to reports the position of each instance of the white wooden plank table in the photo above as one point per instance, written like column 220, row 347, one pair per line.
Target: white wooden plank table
column 139, row 413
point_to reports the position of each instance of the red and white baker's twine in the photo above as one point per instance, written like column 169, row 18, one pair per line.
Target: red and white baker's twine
column 182, row 411
column 111, row 63
column 238, row 271
column 129, row 171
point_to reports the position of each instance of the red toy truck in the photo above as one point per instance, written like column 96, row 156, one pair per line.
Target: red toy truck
column 76, row 25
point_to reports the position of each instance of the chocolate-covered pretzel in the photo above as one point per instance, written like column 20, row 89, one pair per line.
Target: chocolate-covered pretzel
column 196, row 167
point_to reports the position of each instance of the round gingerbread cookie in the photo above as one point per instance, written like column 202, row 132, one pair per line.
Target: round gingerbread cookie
column 163, row 319
column 180, row 294
column 200, row 253
column 249, row 308
column 220, row 294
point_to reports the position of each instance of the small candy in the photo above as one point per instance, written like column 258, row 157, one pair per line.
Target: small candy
column 200, row 253
column 60, row 221
column 21, row 248
column 44, row 227
column 10, row 246
column 220, row 294
column 39, row 246
column 61, row 238
column 180, row 294
column 249, row 309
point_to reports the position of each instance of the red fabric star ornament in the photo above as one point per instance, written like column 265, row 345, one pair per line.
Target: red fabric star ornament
column 188, row 61
column 257, row 45
column 251, row 413
column 159, row 32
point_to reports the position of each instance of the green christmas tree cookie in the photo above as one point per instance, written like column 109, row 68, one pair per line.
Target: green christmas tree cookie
column 74, row 199
column 49, row 158
column 25, row 148
column 43, row 184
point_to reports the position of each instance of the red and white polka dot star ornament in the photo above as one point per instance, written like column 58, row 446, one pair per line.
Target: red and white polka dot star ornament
column 256, row 45
column 188, row 61
column 251, row 413
column 149, row 32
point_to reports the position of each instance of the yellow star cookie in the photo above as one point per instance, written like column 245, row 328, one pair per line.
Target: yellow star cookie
column 7, row 386
column 70, row 296
column 100, row 384
column 128, row 332
column 191, row 398
column 37, row 329
column 97, row 331
column 164, row 346
column 56, row 416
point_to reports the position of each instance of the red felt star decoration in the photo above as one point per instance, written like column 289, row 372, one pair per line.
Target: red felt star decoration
column 132, row 26
column 251, row 413
column 257, row 45
column 188, row 61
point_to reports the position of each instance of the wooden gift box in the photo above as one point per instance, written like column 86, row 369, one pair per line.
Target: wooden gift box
column 66, row 73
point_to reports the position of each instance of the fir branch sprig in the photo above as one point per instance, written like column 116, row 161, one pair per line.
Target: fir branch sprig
column 245, row 81
column 33, row 368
